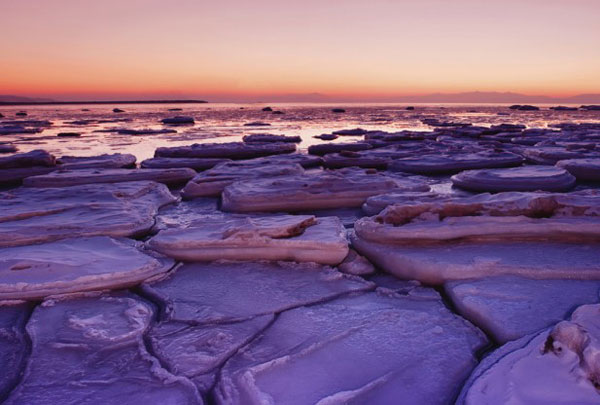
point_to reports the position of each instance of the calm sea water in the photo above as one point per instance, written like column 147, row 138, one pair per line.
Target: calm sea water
column 225, row 123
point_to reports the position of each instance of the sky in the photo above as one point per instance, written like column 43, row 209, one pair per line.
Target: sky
column 243, row 50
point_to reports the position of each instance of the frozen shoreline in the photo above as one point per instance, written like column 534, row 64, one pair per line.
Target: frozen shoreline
column 383, row 278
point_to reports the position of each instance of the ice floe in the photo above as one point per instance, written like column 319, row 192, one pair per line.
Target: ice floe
column 300, row 238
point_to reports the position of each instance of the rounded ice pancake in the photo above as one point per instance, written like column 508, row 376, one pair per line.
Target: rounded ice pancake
column 526, row 178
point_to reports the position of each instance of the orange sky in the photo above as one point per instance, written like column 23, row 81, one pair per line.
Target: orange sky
column 227, row 50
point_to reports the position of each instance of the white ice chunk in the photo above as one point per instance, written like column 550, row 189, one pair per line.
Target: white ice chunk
column 557, row 366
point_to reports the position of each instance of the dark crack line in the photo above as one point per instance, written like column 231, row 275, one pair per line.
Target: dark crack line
column 27, row 351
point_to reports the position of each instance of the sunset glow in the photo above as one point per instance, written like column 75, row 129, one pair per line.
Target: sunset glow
column 243, row 50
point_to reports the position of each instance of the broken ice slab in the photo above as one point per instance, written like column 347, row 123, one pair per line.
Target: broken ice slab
column 74, row 265
column 557, row 366
column 67, row 178
column 582, row 169
column 455, row 162
column 526, row 178
column 13, row 345
column 34, row 215
column 229, row 150
column 370, row 348
column 314, row 191
column 113, row 161
column 435, row 218
column 510, row 307
column 197, row 164
column 221, row 292
column 301, row 238
column 30, row 159
column 211, row 183
column 259, row 138
column 92, row 350
column 437, row 263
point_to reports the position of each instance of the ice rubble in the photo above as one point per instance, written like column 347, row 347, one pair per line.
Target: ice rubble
column 371, row 348
column 557, row 366
column 92, row 350
column 36, row 215
column 526, row 178
column 323, row 190
column 73, row 265
column 230, row 150
column 510, row 307
column 211, row 183
column 67, row 178
column 300, row 238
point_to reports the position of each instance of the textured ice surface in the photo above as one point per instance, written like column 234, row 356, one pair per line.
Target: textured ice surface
column 230, row 150
column 509, row 307
column 372, row 348
column 234, row 291
column 185, row 213
column 35, row 215
column 322, row 190
column 301, row 238
column 526, row 178
column 67, row 178
column 92, row 350
column 582, row 169
column 73, row 265
column 453, row 163
column 557, row 366
column 198, row 351
column 211, row 183
column 12, row 344
column 114, row 161
column 438, row 263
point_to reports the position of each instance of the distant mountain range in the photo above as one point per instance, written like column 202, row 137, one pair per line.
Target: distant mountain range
column 497, row 97
column 465, row 98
